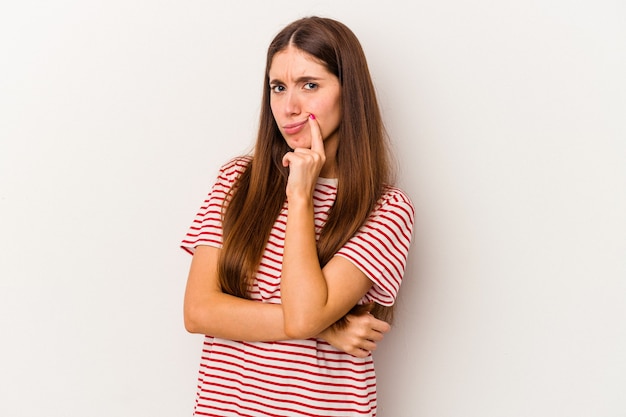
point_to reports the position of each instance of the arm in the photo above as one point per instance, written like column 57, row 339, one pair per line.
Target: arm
column 315, row 298
column 312, row 298
column 209, row 311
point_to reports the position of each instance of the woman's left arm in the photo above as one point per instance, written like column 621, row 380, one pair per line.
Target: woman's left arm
column 360, row 335
column 315, row 298
column 312, row 298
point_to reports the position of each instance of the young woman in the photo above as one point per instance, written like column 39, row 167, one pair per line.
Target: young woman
column 297, row 243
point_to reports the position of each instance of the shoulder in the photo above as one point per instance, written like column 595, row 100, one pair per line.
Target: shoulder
column 395, row 199
column 236, row 165
column 232, row 169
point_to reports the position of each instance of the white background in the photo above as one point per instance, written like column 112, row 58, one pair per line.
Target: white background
column 508, row 118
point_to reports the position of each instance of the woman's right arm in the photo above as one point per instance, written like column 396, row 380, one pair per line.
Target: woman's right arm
column 207, row 310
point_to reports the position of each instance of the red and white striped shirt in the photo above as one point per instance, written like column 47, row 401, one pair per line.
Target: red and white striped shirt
column 299, row 377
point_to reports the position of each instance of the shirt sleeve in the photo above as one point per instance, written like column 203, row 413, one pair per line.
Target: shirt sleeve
column 380, row 247
column 206, row 228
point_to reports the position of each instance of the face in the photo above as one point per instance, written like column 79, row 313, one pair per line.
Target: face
column 301, row 86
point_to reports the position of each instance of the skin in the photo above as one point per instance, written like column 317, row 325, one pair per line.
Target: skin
column 302, row 86
column 313, row 299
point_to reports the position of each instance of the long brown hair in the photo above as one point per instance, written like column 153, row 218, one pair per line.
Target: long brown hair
column 363, row 166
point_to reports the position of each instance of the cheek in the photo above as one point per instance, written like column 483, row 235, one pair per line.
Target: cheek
column 335, row 112
column 328, row 109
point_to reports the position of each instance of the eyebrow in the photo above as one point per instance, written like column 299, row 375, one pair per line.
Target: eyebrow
column 305, row 78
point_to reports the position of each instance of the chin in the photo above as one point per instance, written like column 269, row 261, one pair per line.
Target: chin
column 294, row 143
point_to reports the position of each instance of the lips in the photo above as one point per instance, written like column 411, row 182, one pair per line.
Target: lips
column 293, row 128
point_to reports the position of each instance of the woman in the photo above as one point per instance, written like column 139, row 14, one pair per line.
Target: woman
column 295, row 236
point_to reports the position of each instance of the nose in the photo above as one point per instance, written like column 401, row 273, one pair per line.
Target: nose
column 292, row 103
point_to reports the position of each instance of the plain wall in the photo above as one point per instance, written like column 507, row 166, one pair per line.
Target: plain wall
column 508, row 122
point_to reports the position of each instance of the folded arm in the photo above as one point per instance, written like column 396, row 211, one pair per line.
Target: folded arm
column 314, row 298
column 207, row 310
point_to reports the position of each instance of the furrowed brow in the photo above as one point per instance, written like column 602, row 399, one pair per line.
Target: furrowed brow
column 299, row 80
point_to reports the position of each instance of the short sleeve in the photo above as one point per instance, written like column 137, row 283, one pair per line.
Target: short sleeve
column 380, row 247
column 206, row 228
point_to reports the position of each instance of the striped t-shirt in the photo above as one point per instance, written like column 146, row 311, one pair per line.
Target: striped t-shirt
column 299, row 377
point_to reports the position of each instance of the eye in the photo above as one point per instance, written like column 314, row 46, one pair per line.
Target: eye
column 310, row 86
column 277, row 88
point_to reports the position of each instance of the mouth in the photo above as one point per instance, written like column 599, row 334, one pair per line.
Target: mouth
column 293, row 128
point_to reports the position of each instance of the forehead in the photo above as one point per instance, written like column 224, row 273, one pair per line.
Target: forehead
column 295, row 62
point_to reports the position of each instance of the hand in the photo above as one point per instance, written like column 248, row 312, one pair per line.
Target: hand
column 360, row 335
column 305, row 164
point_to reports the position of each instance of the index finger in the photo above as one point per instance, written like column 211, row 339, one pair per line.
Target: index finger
column 317, row 142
